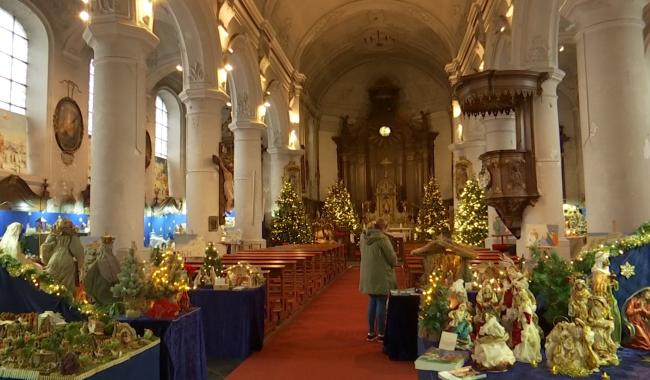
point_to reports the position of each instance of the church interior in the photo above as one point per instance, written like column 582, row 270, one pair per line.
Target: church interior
column 209, row 189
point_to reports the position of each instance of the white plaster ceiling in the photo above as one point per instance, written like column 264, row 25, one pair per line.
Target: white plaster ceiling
column 327, row 38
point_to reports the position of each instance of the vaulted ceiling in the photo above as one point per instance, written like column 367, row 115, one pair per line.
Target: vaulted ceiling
column 327, row 38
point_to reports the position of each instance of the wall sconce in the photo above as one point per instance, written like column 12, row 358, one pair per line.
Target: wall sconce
column 455, row 108
column 294, row 117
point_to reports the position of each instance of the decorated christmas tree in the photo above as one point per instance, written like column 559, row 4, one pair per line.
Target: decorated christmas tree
column 212, row 260
column 471, row 222
column 435, row 304
column 338, row 210
column 169, row 278
column 131, row 279
column 289, row 220
column 432, row 218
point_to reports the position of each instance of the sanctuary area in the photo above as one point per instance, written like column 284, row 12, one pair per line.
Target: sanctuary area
column 324, row 189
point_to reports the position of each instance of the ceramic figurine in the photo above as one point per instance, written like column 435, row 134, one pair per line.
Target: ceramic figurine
column 528, row 348
column 569, row 350
column 491, row 353
column 102, row 269
column 602, row 324
column 59, row 253
column 637, row 311
column 603, row 284
column 460, row 322
column 578, row 303
column 487, row 303
column 10, row 243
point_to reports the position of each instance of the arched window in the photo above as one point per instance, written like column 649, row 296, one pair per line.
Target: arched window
column 13, row 64
column 162, row 128
column 91, row 92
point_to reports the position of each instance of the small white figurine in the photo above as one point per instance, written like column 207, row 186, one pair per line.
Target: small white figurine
column 10, row 243
column 491, row 353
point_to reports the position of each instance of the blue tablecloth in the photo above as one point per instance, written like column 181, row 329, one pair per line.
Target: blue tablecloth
column 631, row 367
column 144, row 365
column 20, row 296
column 182, row 349
column 233, row 321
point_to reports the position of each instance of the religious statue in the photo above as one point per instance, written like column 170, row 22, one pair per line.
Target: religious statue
column 601, row 322
column 491, row 353
column 226, row 172
column 569, row 350
column 527, row 348
column 102, row 269
column 578, row 308
column 10, row 243
column 62, row 254
column 603, row 284
column 487, row 303
column 460, row 323
column 637, row 311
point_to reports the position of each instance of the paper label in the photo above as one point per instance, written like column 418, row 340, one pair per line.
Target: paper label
column 448, row 341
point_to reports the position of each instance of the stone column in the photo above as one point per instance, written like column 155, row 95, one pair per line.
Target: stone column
column 279, row 159
column 203, row 131
column 546, row 130
column 614, row 98
column 249, row 209
column 499, row 135
column 118, row 143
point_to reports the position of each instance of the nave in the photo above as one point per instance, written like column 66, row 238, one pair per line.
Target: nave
column 325, row 341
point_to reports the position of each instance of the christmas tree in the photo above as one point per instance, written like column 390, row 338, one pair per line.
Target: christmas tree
column 289, row 220
column 169, row 278
column 471, row 223
column 432, row 218
column 212, row 260
column 338, row 210
column 131, row 279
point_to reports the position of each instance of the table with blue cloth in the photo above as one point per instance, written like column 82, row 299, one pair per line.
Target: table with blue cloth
column 140, row 364
column 182, row 349
column 233, row 321
column 401, row 335
column 21, row 296
column 632, row 367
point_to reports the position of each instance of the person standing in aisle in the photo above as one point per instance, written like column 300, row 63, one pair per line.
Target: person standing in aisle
column 377, row 278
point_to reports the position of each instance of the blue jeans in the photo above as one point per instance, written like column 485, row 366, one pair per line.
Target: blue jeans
column 376, row 313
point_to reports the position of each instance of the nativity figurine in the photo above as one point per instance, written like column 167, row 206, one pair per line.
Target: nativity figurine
column 603, row 284
column 460, row 323
column 10, row 243
column 487, row 303
column 62, row 254
column 491, row 353
column 569, row 350
column 637, row 312
column 528, row 345
column 102, row 268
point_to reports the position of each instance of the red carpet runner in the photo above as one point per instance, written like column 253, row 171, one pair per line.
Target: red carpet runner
column 326, row 341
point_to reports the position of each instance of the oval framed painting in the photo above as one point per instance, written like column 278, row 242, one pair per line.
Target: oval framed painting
column 68, row 125
column 148, row 150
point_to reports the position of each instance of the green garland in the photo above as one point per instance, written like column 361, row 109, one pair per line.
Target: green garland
column 640, row 238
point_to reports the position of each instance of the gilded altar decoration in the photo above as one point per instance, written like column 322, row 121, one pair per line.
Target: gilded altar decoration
column 627, row 270
column 637, row 313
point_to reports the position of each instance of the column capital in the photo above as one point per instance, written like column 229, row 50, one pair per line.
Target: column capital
column 555, row 76
column 598, row 13
column 247, row 125
column 119, row 39
column 284, row 151
column 215, row 94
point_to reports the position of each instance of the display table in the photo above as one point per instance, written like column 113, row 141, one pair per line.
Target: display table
column 631, row 367
column 20, row 296
column 182, row 349
column 401, row 335
column 233, row 320
column 141, row 364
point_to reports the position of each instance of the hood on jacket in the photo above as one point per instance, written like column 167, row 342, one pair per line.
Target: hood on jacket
column 373, row 236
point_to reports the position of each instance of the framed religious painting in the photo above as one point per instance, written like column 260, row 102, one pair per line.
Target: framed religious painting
column 68, row 125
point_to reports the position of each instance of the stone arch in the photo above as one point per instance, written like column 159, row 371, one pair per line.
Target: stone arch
column 535, row 30
column 201, row 50
column 277, row 116
column 244, row 80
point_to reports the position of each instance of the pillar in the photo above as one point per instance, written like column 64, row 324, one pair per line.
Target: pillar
column 499, row 135
column 203, row 131
column 249, row 210
column 118, row 142
column 614, row 98
column 546, row 131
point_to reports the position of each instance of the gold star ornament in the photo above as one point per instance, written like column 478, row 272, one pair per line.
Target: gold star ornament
column 627, row 270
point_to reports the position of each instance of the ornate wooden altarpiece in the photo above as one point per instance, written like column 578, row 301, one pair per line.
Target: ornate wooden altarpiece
column 385, row 174
column 508, row 176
